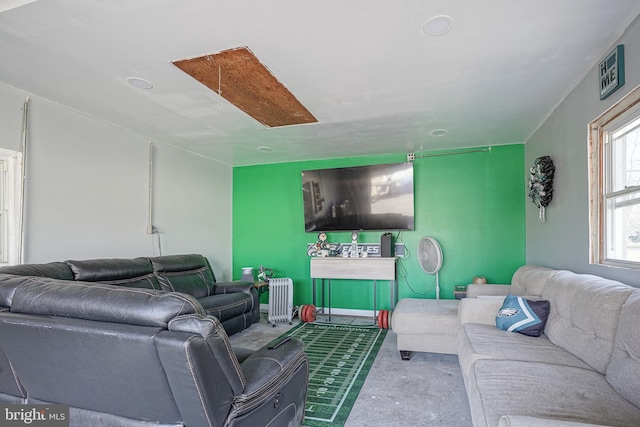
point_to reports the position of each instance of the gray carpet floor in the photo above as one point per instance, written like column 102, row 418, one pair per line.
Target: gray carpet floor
column 425, row 391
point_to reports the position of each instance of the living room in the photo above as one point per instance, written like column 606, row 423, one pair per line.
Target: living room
column 87, row 186
column 87, row 182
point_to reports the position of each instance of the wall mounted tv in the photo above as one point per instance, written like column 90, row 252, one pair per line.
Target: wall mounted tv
column 375, row 197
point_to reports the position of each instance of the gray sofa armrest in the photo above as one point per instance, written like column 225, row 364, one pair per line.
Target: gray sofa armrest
column 474, row 290
column 522, row 421
column 481, row 310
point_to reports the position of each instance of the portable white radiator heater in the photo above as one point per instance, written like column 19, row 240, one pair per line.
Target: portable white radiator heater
column 280, row 300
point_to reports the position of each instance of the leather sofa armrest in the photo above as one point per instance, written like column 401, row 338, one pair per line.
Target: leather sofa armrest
column 474, row 290
column 244, row 287
column 479, row 310
column 272, row 364
column 232, row 287
column 277, row 378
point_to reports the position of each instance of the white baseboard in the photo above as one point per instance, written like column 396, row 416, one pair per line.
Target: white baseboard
column 336, row 311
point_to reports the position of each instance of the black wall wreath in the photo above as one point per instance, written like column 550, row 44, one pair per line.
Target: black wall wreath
column 541, row 183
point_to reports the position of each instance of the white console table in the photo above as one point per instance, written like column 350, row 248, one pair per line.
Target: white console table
column 354, row 268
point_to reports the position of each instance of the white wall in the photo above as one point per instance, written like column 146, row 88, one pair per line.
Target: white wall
column 563, row 240
column 87, row 190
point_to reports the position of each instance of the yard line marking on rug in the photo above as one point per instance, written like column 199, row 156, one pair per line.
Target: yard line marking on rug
column 340, row 357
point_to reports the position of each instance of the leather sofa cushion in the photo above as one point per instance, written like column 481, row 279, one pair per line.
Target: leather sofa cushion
column 135, row 273
column 8, row 286
column 100, row 302
column 190, row 274
column 54, row 270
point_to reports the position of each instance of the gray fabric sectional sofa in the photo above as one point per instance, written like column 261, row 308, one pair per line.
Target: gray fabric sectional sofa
column 583, row 370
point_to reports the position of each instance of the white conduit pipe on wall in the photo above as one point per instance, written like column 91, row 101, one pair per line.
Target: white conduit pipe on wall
column 150, row 227
column 451, row 153
column 25, row 123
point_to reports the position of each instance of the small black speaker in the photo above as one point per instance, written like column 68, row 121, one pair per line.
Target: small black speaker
column 386, row 245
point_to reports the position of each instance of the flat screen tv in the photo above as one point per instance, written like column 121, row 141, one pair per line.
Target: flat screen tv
column 375, row 197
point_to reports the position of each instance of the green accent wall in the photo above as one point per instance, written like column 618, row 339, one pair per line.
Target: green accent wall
column 471, row 202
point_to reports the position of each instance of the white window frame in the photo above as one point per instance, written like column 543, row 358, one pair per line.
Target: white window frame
column 10, row 207
column 605, row 244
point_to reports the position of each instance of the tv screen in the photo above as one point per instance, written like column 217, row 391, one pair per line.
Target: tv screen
column 375, row 197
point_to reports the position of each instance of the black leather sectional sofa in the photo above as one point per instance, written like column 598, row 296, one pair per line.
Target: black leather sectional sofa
column 234, row 304
column 125, row 353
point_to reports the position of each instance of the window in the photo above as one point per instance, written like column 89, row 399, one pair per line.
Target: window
column 614, row 142
column 10, row 207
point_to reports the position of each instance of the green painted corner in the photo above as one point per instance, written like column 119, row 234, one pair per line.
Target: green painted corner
column 472, row 203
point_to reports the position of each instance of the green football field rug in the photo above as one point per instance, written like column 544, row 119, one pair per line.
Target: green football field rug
column 340, row 357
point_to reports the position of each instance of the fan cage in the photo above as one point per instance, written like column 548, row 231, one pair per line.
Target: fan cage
column 429, row 255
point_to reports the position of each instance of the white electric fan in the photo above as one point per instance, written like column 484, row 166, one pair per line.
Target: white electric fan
column 430, row 258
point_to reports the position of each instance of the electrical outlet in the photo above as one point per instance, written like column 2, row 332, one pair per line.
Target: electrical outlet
column 411, row 157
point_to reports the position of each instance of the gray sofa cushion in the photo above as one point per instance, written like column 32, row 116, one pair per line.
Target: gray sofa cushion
column 623, row 372
column 507, row 387
column 488, row 342
column 584, row 315
column 531, row 280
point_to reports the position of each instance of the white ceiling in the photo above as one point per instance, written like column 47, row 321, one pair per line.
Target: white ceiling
column 364, row 68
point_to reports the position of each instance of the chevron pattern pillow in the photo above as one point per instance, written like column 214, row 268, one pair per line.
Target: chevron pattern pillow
column 521, row 315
